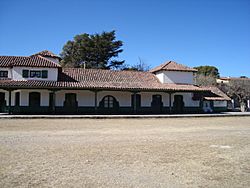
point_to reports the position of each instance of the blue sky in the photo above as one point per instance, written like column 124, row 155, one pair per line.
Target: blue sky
column 190, row 32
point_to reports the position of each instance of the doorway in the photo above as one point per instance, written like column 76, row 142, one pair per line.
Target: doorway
column 34, row 99
column 138, row 101
column 178, row 105
column 156, row 104
column 70, row 103
column 207, row 107
column 109, row 105
column 2, row 102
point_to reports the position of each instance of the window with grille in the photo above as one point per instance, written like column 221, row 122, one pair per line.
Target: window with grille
column 35, row 74
column 108, row 102
column 3, row 74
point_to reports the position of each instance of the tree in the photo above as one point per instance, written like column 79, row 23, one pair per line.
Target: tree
column 92, row 51
column 140, row 66
column 202, row 80
column 208, row 71
column 239, row 89
column 206, row 75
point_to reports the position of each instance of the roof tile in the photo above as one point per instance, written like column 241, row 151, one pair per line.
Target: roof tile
column 32, row 61
column 220, row 96
column 172, row 66
column 77, row 78
column 46, row 53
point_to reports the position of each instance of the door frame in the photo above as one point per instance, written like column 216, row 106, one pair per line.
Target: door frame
column 156, row 103
column 178, row 104
column 2, row 102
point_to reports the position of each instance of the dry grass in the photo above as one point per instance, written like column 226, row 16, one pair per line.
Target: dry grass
column 192, row 152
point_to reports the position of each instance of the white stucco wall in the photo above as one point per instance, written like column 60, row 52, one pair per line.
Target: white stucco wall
column 124, row 98
column 84, row 98
column 146, row 98
column 176, row 77
column 1, row 90
column 7, row 69
column 56, row 60
column 220, row 103
column 24, row 97
column 187, row 99
column 160, row 76
column 18, row 71
column 87, row 98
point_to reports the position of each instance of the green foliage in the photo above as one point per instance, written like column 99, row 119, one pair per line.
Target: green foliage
column 95, row 51
column 202, row 80
column 210, row 71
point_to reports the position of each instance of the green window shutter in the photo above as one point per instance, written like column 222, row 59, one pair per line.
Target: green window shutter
column 44, row 74
column 25, row 73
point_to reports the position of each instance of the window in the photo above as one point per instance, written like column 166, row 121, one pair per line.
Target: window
column 35, row 74
column 25, row 73
column 3, row 74
column 108, row 102
column 44, row 74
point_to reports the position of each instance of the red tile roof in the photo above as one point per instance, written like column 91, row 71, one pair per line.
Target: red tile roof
column 77, row 78
column 36, row 61
column 233, row 78
column 6, row 61
column 220, row 96
column 46, row 53
column 94, row 85
column 120, row 79
column 32, row 61
column 172, row 66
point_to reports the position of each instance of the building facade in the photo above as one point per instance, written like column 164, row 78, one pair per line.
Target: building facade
column 37, row 84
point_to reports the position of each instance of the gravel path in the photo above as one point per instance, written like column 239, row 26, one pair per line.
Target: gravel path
column 187, row 152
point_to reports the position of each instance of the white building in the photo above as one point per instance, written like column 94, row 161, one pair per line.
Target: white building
column 38, row 84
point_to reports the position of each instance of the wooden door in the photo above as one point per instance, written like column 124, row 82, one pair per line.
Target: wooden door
column 2, row 102
column 156, row 104
column 178, row 104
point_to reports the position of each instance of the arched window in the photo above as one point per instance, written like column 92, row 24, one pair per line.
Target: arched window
column 109, row 102
column 34, row 99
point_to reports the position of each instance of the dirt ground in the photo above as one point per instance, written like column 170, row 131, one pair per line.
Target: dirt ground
column 186, row 152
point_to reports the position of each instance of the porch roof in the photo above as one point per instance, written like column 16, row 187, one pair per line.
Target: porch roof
column 220, row 96
column 32, row 84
